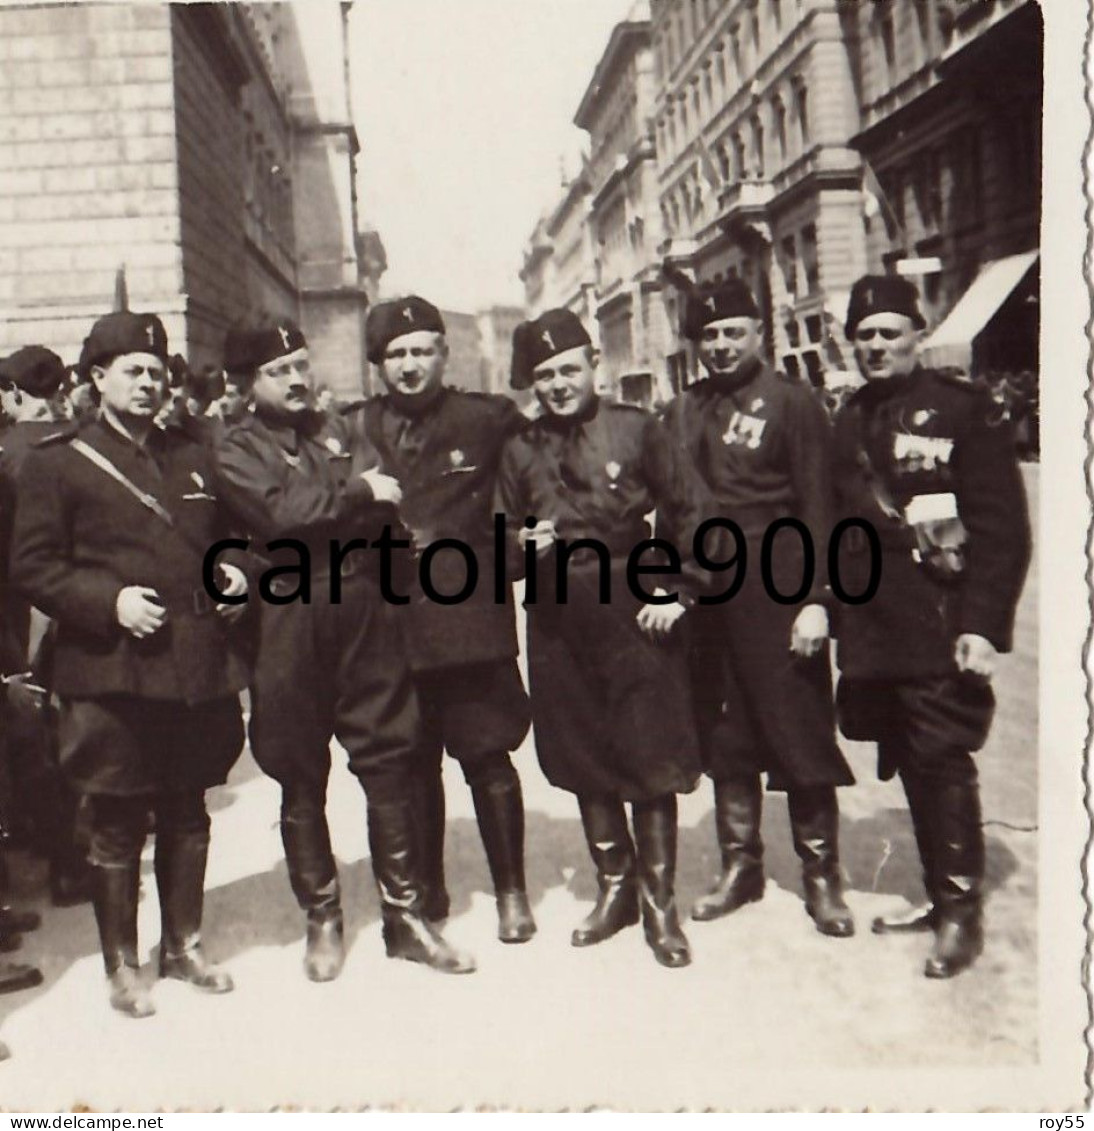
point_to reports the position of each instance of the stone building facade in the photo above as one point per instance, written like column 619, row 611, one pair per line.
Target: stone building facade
column 800, row 143
column 208, row 148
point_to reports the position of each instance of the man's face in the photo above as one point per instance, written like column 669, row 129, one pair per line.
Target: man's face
column 132, row 386
column 728, row 343
column 233, row 403
column 886, row 345
column 414, row 363
column 566, row 383
column 284, row 386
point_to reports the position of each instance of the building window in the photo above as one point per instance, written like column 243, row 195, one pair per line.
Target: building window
column 720, row 67
column 923, row 23
column 696, row 97
column 892, row 188
column 777, row 16
column 810, row 260
column 887, row 30
column 778, row 120
column 928, row 189
column 754, row 19
column 757, row 170
column 789, row 251
column 708, row 84
column 740, row 161
column 815, row 368
column 735, row 50
column 793, row 335
column 724, row 166
column 801, row 109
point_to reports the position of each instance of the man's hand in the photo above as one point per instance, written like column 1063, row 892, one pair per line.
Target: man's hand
column 140, row 610
column 975, row 654
column 22, row 694
column 385, row 488
column 659, row 620
column 543, row 535
column 810, row 631
column 233, row 584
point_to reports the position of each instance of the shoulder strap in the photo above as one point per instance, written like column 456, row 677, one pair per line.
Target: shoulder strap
column 103, row 464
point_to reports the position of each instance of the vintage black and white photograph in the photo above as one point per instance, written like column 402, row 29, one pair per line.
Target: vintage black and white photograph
column 543, row 555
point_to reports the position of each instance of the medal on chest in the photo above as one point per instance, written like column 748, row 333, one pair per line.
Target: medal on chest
column 613, row 472
column 744, row 429
column 913, row 453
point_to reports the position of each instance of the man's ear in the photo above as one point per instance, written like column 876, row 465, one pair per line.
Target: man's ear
column 96, row 373
column 594, row 356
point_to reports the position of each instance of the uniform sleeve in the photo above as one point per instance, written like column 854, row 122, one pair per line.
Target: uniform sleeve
column 509, row 500
column 42, row 565
column 991, row 501
column 677, row 497
column 271, row 498
column 809, row 456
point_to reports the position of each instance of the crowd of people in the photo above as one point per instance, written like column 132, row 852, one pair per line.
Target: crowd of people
column 900, row 529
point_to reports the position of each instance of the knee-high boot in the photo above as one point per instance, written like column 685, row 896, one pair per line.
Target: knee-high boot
column 427, row 799
column 921, row 918
column 655, row 840
column 612, row 850
column 499, row 807
column 314, row 878
column 738, row 805
column 814, row 823
column 959, row 877
column 182, row 849
column 407, row 934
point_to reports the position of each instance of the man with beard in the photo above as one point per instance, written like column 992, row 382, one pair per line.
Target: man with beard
column 443, row 447
column 607, row 669
column 110, row 530
column 330, row 658
column 929, row 461
column 761, row 448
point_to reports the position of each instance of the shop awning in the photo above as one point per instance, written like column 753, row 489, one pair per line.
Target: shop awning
column 952, row 341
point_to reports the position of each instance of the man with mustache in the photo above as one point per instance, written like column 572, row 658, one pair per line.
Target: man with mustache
column 443, row 447
column 929, row 460
column 333, row 665
column 760, row 446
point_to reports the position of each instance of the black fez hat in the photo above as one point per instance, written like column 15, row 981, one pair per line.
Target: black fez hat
column 120, row 333
column 245, row 349
column 711, row 302
column 390, row 320
column 34, row 369
column 553, row 332
column 882, row 294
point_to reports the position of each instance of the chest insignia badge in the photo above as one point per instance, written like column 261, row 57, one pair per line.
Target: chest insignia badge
column 333, row 445
column 921, row 453
column 757, row 404
column 457, row 457
column 922, row 417
column 744, row 430
column 198, row 482
column 613, row 469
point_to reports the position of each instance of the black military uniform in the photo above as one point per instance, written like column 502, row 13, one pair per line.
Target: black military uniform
column 329, row 667
column 761, row 448
column 149, row 722
column 443, row 446
column 930, row 462
column 33, row 376
column 610, row 705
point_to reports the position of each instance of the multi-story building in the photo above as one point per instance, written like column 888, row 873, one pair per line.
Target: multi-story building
column 951, row 97
column 496, row 326
column 624, row 217
column 208, row 148
column 756, row 106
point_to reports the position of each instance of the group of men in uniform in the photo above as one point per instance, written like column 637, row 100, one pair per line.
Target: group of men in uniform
column 631, row 698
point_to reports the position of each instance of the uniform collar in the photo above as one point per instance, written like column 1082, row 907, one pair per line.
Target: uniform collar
column 418, row 406
column 723, row 383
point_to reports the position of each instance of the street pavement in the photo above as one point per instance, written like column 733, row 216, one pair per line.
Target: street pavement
column 543, row 1025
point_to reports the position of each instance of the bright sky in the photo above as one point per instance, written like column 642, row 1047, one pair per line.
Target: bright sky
column 464, row 109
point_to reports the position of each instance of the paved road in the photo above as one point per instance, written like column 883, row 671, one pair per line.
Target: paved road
column 544, row 1025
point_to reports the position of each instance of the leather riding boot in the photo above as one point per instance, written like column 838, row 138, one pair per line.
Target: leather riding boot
column 314, row 878
column 116, row 893
column 180, row 874
column 499, row 808
column 407, row 934
column 959, row 856
column 13, row 923
column 429, row 818
column 922, row 917
column 814, row 824
column 69, row 871
column 738, row 805
column 655, row 841
column 609, row 839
